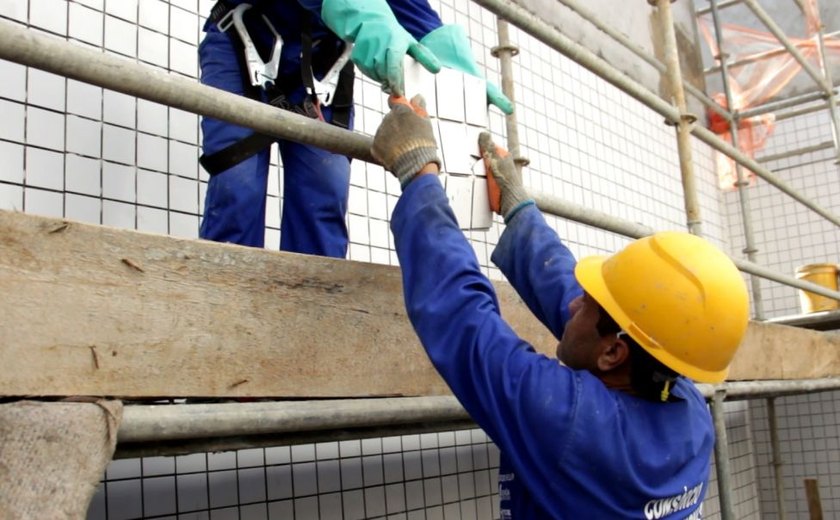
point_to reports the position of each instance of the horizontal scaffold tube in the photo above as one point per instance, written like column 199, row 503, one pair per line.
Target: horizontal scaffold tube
column 54, row 55
column 28, row 47
column 182, row 422
column 549, row 35
column 168, row 422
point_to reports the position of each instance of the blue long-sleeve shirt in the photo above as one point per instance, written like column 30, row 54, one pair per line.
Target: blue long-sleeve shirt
column 570, row 446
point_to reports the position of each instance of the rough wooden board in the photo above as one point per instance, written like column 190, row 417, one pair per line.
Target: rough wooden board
column 772, row 351
column 90, row 310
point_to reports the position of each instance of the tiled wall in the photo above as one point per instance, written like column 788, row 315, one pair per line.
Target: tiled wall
column 73, row 150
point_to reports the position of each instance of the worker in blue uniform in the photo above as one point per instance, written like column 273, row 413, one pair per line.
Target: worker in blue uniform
column 617, row 430
column 310, row 36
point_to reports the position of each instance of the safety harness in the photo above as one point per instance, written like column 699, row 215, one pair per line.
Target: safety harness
column 276, row 88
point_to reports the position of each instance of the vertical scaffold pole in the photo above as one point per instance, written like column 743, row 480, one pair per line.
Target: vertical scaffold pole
column 686, row 120
column 743, row 196
column 505, row 51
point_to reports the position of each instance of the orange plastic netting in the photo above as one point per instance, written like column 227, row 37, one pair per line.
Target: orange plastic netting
column 769, row 69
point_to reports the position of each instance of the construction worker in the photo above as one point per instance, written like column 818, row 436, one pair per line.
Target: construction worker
column 615, row 431
column 292, row 45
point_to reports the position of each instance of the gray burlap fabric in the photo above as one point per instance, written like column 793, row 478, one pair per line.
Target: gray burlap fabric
column 53, row 455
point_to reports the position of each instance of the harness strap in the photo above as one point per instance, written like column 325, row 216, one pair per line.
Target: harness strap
column 254, row 143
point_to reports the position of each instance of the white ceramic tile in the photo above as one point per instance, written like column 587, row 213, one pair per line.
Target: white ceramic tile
column 118, row 214
column 377, row 205
column 119, row 109
column 183, row 159
column 272, row 212
column 153, row 47
column 11, row 197
column 118, row 144
column 98, row 5
column 183, row 194
column 11, row 162
column 83, row 175
column 13, row 85
column 482, row 216
column 13, row 9
column 459, row 192
column 125, row 9
column 184, row 58
column 184, row 226
column 44, row 169
column 183, row 126
column 455, row 148
column 84, row 209
column 418, row 80
column 50, row 15
column 84, row 136
column 380, row 233
column 45, row 128
column 84, row 99
column 450, row 94
column 184, row 25
column 188, row 5
column 152, row 152
column 356, row 201
column 152, row 188
column 359, row 252
column 152, row 118
column 12, row 122
column 475, row 100
column 120, row 36
column 86, row 24
column 358, row 229
column 118, row 182
column 41, row 202
column 154, row 14
column 46, row 90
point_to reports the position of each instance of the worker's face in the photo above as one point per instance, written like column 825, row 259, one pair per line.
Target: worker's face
column 581, row 343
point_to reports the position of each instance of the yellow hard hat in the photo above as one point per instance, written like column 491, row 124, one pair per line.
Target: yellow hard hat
column 678, row 296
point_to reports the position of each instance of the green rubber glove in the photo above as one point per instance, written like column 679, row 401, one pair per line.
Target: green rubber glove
column 452, row 47
column 380, row 42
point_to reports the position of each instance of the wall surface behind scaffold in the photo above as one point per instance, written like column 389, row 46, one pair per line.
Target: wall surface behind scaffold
column 73, row 150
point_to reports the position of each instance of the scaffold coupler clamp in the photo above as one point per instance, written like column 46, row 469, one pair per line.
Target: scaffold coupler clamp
column 261, row 73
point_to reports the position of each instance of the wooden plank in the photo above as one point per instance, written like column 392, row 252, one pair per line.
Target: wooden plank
column 90, row 310
column 812, row 495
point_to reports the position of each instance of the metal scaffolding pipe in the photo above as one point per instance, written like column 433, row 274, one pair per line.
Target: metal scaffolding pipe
column 722, row 5
column 743, row 195
column 505, row 52
column 216, row 426
column 539, row 29
column 749, row 267
column 790, row 114
column 777, row 458
column 759, row 57
column 780, row 35
column 169, row 422
column 782, row 104
column 831, row 101
column 722, row 466
column 631, row 46
column 685, row 121
column 742, row 390
column 796, row 152
column 569, row 210
column 28, row 47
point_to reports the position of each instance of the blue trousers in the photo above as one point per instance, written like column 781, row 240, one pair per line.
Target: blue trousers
column 315, row 182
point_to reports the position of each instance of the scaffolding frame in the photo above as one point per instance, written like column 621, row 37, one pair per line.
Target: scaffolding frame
column 188, row 427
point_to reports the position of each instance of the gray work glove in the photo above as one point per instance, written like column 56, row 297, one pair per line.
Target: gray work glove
column 405, row 141
column 504, row 182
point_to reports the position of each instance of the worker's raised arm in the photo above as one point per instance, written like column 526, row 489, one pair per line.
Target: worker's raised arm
column 529, row 253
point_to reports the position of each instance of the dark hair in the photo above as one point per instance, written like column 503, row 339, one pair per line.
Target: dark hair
column 649, row 378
